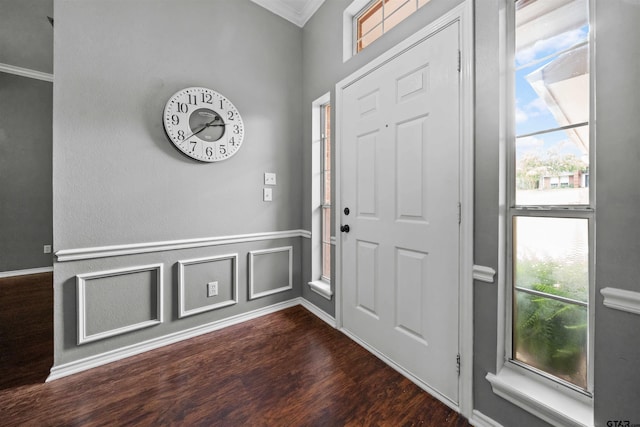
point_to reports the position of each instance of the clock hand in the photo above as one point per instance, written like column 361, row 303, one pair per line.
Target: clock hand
column 206, row 125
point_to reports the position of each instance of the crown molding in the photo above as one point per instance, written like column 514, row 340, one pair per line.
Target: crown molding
column 26, row 72
column 284, row 9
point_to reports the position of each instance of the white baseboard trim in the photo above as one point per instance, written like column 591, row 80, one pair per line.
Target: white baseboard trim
column 141, row 248
column 81, row 365
column 13, row 273
column 322, row 315
column 442, row 398
column 478, row 419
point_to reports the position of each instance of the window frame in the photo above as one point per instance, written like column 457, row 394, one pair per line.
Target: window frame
column 367, row 8
column 545, row 396
column 318, row 284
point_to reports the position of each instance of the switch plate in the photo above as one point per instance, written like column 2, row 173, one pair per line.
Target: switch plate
column 47, row 249
column 269, row 178
column 212, row 289
column 267, row 194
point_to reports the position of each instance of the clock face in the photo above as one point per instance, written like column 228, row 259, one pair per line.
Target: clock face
column 203, row 124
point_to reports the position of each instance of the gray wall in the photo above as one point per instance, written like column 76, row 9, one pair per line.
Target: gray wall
column 617, row 343
column 117, row 178
column 26, row 41
column 617, row 352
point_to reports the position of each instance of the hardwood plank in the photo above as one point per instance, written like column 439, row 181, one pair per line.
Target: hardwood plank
column 26, row 329
column 285, row 369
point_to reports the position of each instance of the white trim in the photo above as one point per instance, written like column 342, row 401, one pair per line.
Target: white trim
column 288, row 286
column 321, row 314
column 478, row 419
column 321, row 288
column 26, row 72
column 291, row 14
column 621, row 299
column 25, row 272
column 182, row 311
column 462, row 13
column 348, row 44
column 170, row 245
column 551, row 404
column 484, row 274
column 81, row 281
column 433, row 392
column 81, row 365
column 305, row 233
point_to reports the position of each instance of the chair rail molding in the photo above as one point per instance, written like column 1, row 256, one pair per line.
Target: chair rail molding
column 621, row 299
column 141, row 248
column 484, row 274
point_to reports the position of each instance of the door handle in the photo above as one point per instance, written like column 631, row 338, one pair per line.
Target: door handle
column 344, row 228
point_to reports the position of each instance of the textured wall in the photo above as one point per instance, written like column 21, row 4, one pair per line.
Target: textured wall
column 26, row 41
column 117, row 178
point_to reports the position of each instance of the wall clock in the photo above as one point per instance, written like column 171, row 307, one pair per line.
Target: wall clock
column 203, row 124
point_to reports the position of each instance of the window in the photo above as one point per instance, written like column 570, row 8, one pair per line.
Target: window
column 326, row 191
column 551, row 212
column 379, row 16
column 321, row 198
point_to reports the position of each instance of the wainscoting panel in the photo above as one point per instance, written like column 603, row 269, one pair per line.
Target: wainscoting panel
column 194, row 275
column 118, row 301
column 270, row 271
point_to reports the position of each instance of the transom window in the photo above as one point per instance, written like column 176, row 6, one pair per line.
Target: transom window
column 379, row 16
column 551, row 209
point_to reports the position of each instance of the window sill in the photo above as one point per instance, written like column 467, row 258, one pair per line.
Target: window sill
column 322, row 288
column 552, row 404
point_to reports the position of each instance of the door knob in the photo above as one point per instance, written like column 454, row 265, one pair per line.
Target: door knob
column 346, row 211
column 344, row 228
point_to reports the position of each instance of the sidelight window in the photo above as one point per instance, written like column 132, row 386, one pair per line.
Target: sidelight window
column 550, row 209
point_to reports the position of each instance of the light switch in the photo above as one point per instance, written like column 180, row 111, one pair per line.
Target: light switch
column 269, row 178
column 267, row 194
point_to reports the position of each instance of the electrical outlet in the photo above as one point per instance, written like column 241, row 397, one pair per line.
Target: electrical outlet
column 47, row 249
column 212, row 289
column 267, row 194
column 269, row 178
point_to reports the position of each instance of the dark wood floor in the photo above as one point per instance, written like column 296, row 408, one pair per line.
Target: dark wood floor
column 285, row 369
column 26, row 329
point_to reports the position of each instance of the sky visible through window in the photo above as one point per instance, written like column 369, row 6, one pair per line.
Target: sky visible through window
column 532, row 113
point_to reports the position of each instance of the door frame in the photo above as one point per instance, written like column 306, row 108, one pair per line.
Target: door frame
column 463, row 13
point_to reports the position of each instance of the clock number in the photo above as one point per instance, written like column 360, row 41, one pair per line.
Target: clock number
column 192, row 99
column 175, row 119
column 207, row 98
column 232, row 141
column 230, row 115
column 236, row 129
column 193, row 145
column 223, row 150
column 209, row 151
column 182, row 107
column 181, row 135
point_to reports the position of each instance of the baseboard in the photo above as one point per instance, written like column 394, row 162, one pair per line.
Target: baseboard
column 25, row 272
column 478, row 419
column 322, row 315
column 403, row 371
column 81, row 365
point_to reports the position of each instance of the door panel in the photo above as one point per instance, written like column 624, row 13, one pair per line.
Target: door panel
column 400, row 176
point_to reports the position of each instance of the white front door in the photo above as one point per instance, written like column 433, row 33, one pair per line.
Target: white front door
column 400, row 180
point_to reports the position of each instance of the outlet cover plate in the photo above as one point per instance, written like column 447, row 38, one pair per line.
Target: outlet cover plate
column 212, row 289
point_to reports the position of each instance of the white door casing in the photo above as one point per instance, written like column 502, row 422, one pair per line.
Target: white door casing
column 403, row 147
